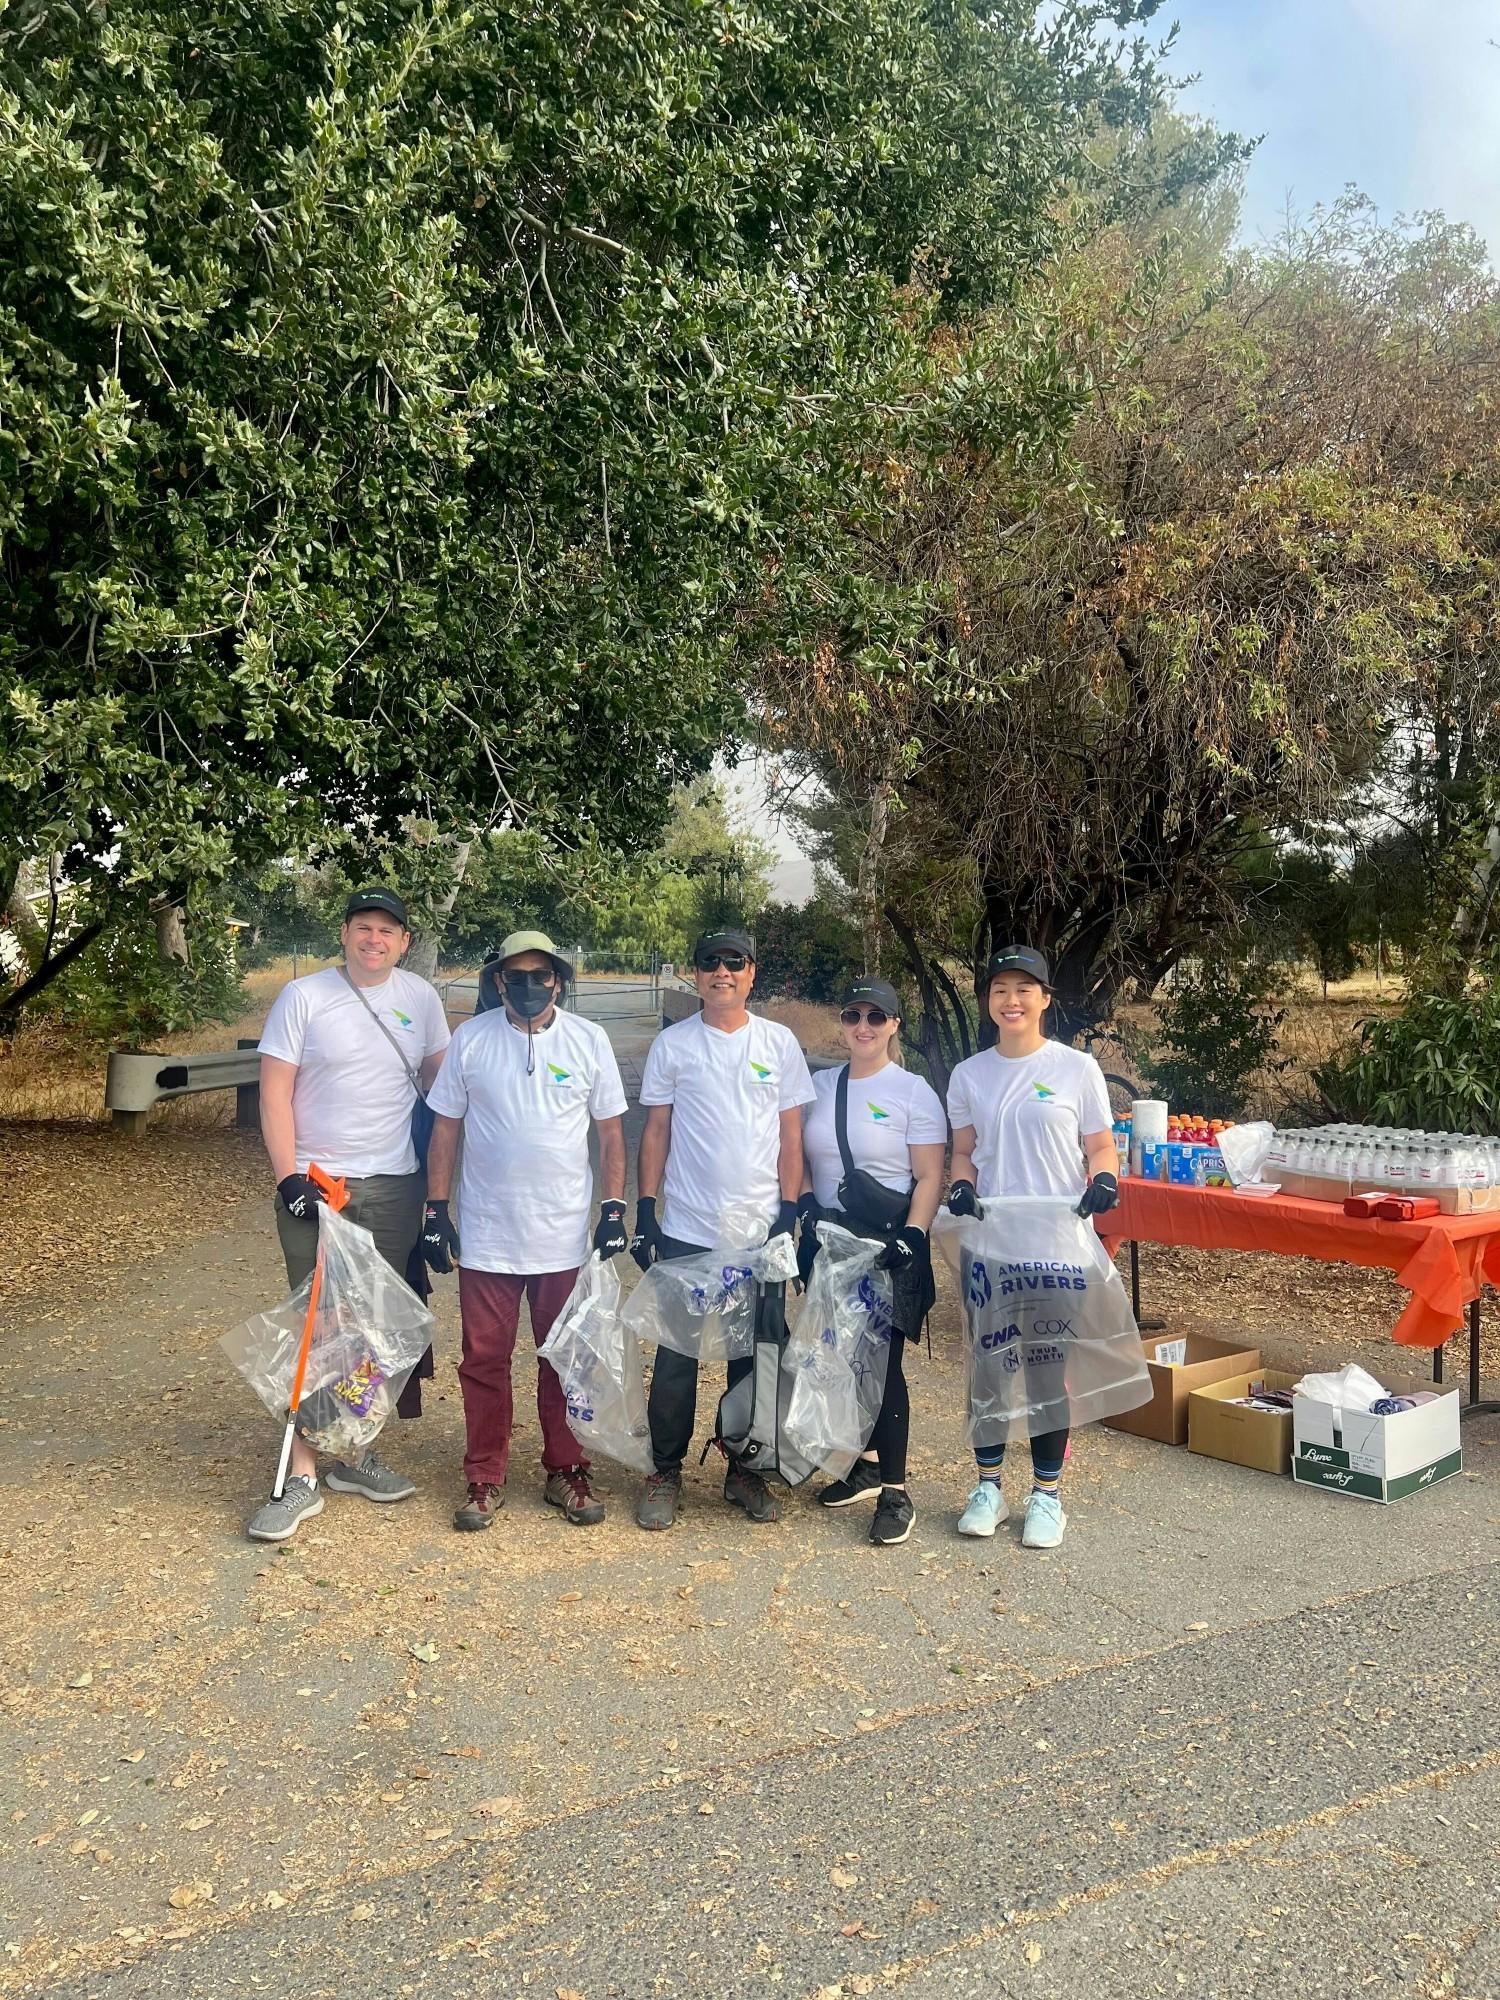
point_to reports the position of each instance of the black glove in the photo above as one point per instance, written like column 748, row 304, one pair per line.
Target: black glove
column 808, row 1216
column 439, row 1237
column 300, row 1196
column 904, row 1251
column 786, row 1221
column 646, row 1244
column 609, row 1236
column 1101, row 1195
column 963, row 1199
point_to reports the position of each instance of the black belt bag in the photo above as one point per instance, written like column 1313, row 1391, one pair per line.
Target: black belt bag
column 868, row 1202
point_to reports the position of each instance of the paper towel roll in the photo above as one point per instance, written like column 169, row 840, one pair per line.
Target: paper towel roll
column 1148, row 1127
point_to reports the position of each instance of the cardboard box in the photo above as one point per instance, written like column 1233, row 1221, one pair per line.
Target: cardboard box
column 1219, row 1428
column 1377, row 1458
column 1205, row 1360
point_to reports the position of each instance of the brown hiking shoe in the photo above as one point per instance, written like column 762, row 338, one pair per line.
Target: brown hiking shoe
column 481, row 1507
column 743, row 1488
column 661, row 1496
column 572, row 1492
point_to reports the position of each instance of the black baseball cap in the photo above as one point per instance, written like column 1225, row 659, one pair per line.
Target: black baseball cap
column 717, row 941
column 873, row 993
column 378, row 899
column 1020, row 958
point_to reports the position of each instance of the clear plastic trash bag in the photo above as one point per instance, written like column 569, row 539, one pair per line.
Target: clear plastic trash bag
column 703, row 1306
column 371, row 1330
column 1052, row 1341
column 598, row 1362
column 838, row 1352
column 1243, row 1149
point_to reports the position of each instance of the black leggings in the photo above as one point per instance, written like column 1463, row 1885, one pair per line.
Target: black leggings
column 888, row 1439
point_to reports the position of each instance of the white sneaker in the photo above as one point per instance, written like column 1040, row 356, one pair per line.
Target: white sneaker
column 984, row 1510
column 1045, row 1521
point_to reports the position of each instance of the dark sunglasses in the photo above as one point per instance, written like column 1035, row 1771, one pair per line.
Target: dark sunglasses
column 732, row 961
column 529, row 978
column 876, row 1016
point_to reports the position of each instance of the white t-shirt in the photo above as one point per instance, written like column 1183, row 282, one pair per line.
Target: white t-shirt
column 352, row 1100
column 727, row 1093
column 888, row 1113
column 525, row 1190
column 1032, row 1115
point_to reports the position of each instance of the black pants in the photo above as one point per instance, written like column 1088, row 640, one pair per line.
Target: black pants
column 672, row 1406
column 888, row 1440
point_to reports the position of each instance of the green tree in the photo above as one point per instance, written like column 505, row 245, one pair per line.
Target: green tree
column 421, row 412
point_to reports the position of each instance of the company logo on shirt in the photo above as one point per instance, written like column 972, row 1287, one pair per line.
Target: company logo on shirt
column 877, row 1112
column 762, row 1074
column 1045, row 1092
column 558, row 1075
column 403, row 1020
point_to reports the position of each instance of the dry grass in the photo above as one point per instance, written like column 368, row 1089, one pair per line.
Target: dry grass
column 816, row 1028
column 46, row 1076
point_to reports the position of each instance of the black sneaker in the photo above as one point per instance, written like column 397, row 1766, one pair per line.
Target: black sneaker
column 743, row 1488
column 861, row 1482
column 895, row 1517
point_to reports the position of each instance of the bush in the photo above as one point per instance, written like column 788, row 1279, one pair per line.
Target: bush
column 1435, row 1067
column 1216, row 1030
column 120, row 991
column 807, row 953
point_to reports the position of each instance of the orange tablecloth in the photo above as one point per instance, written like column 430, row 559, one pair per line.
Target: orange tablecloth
column 1443, row 1262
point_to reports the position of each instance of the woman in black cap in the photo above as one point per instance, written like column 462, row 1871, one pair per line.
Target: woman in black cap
column 895, row 1134
column 1030, row 1117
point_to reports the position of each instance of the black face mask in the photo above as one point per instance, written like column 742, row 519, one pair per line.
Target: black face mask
column 528, row 994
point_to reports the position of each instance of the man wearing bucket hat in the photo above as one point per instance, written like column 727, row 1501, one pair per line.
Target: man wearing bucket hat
column 722, row 1092
column 342, row 1055
column 522, row 1082
column 1030, row 1116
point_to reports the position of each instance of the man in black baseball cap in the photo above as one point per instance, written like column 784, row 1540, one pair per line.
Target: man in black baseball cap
column 723, row 944
column 377, row 899
column 1023, row 959
column 344, row 1055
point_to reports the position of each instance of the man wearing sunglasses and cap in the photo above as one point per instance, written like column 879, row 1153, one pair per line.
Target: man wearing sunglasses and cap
column 722, row 1092
column 522, row 1082
column 341, row 1057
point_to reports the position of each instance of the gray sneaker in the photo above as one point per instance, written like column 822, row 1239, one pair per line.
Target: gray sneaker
column 370, row 1478
column 661, row 1496
column 280, row 1519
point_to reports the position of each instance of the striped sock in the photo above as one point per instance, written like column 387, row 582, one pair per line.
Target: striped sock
column 1045, row 1482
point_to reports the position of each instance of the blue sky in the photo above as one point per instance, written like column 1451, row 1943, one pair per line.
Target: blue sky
column 1401, row 97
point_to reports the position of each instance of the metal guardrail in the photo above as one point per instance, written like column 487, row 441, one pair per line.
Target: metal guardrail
column 136, row 1081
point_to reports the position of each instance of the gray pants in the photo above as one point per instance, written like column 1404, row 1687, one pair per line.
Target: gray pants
column 388, row 1205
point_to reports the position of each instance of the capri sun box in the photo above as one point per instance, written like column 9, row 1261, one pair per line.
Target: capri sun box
column 1377, row 1458
column 1178, row 1365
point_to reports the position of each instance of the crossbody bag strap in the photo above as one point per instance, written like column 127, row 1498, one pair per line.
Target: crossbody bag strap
column 841, row 1120
column 412, row 1076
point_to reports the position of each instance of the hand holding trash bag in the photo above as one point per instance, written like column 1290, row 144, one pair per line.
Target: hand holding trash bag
column 646, row 1243
column 439, row 1237
column 300, row 1197
column 1101, row 1195
column 904, row 1250
column 963, row 1199
column 609, row 1232
column 597, row 1360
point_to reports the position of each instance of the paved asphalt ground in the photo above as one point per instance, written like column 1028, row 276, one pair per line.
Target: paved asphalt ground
column 1233, row 1738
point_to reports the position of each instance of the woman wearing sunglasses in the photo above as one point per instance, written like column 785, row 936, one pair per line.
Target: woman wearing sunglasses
column 895, row 1133
column 1030, row 1117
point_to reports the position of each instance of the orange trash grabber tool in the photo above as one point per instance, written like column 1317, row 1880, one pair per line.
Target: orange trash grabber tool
column 336, row 1194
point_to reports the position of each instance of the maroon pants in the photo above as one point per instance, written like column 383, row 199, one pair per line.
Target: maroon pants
column 489, row 1304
